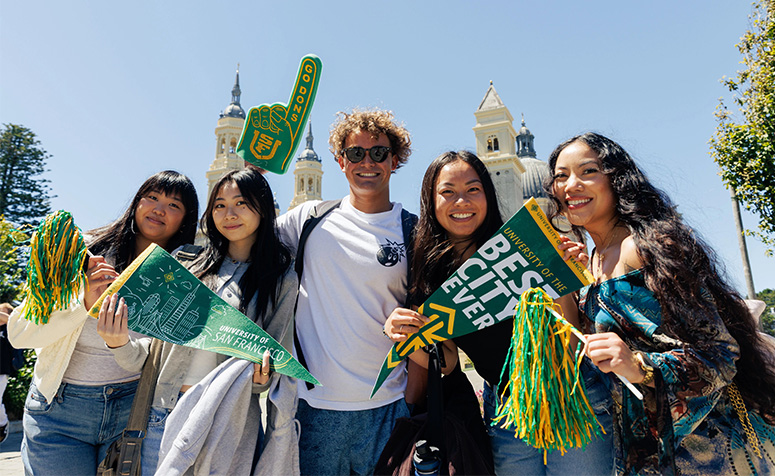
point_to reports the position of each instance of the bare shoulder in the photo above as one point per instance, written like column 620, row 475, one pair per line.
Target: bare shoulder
column 629, row 254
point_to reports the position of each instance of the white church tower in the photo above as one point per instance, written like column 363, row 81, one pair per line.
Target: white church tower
column 496, row 146
column 308, row 175
column 227, row 134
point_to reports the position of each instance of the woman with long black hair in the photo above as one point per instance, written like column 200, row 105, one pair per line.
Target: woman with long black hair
column 661, row 315
column 80, row 396
column 245, row 264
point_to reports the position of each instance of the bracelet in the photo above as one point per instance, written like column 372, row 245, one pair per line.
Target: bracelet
column 647, row 369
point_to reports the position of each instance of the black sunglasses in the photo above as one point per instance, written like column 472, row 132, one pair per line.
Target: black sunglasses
column 356, row 153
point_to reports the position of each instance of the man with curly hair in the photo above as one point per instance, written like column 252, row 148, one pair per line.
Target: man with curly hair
column 355, row 272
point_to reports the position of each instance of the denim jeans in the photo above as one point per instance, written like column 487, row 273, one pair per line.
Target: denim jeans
column 511, row 455
column 345, row 442
column 71, row 434
column 157, row 419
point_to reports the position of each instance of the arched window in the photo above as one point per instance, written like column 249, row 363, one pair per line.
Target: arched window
column 233, row 145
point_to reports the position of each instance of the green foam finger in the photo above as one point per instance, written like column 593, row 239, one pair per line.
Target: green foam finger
column 303, row 94
column 272, row 133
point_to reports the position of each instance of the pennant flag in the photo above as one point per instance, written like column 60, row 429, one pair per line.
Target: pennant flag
column 166, row 301
column 273, row 132
column 486, row 288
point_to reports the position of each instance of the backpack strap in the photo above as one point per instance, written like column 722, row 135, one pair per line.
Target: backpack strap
column 315, row 216
column 318, row 212
column 408, row 223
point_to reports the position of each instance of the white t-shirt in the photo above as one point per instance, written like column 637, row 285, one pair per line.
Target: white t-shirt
column 355, row 271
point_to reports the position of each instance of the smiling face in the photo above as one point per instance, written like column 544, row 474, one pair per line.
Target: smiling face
column 158, row 217
column 369, row 180
column 583, row 190
column 461, row 205
column 235, row 220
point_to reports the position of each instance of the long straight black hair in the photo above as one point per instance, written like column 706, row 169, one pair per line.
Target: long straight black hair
column 119, row 238
column 269, row 257
column 434, row 256
column 679, row 268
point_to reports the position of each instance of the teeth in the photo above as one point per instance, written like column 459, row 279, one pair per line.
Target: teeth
column 367, row 174
column 462, row 215
column 578, row 202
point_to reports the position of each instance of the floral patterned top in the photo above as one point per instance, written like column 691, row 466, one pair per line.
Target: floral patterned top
column 686, row 423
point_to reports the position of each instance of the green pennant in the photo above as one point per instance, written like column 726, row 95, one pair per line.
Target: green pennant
column 166, row 301
column 273, row 132
column 486, row 289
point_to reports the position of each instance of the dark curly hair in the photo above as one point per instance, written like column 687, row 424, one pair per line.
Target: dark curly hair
column 269, row 257
column 118, row 239
column 434, row 257
column 679, row 268
column 375, row 122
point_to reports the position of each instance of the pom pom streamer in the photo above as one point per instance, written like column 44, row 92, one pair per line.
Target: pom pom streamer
column 54, row 270
column 542, row 394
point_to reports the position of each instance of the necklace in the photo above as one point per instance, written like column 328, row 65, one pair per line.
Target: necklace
column 601, row 254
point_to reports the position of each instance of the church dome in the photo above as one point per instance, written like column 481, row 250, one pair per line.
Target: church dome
column 234, row 110
column 537, row 171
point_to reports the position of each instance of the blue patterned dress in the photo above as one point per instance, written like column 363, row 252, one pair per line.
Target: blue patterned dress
column 686, row 424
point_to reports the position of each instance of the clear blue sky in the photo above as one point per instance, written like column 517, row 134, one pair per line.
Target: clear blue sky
column 117, row 91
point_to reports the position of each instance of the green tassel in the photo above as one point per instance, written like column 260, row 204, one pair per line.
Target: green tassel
column 54, row 270
column 542, row 396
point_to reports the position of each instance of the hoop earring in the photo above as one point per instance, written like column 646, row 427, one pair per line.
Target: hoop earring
column 132, row 226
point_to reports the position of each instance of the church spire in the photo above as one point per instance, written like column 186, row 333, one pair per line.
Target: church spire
column 525, row 141
column 235, row 109
column 309, row 152
column 235, row 91
column 309, row 136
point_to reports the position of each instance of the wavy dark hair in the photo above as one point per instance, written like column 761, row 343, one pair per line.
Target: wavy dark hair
column 119, row 238
column 679, row 268
column 269, row 257
column 434, row 258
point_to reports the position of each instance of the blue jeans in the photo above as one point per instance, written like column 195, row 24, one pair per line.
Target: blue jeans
column 511, row 455
column 345, row 442
column 157, row 419
column 71, row 434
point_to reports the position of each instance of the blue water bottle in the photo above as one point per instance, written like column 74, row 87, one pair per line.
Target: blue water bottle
column 426, row 459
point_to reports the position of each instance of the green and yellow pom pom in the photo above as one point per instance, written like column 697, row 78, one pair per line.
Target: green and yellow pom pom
column 542, row 395
column 54, row 270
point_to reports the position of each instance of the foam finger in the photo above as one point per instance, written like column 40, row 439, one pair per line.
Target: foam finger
column 303, row 94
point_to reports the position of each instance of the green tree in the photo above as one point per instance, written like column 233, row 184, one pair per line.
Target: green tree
column 24, row 194
column 10, row 262
column 745, row 150
column 768, row 316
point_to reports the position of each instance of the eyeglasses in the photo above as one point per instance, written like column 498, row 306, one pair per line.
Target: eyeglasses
column 356, row 153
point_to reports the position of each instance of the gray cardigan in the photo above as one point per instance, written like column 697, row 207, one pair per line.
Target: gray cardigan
column 175, row 359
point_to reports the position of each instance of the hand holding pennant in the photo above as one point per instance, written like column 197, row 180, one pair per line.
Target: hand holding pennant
column 166, row 301
column 272, row 133
column 486, row 288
